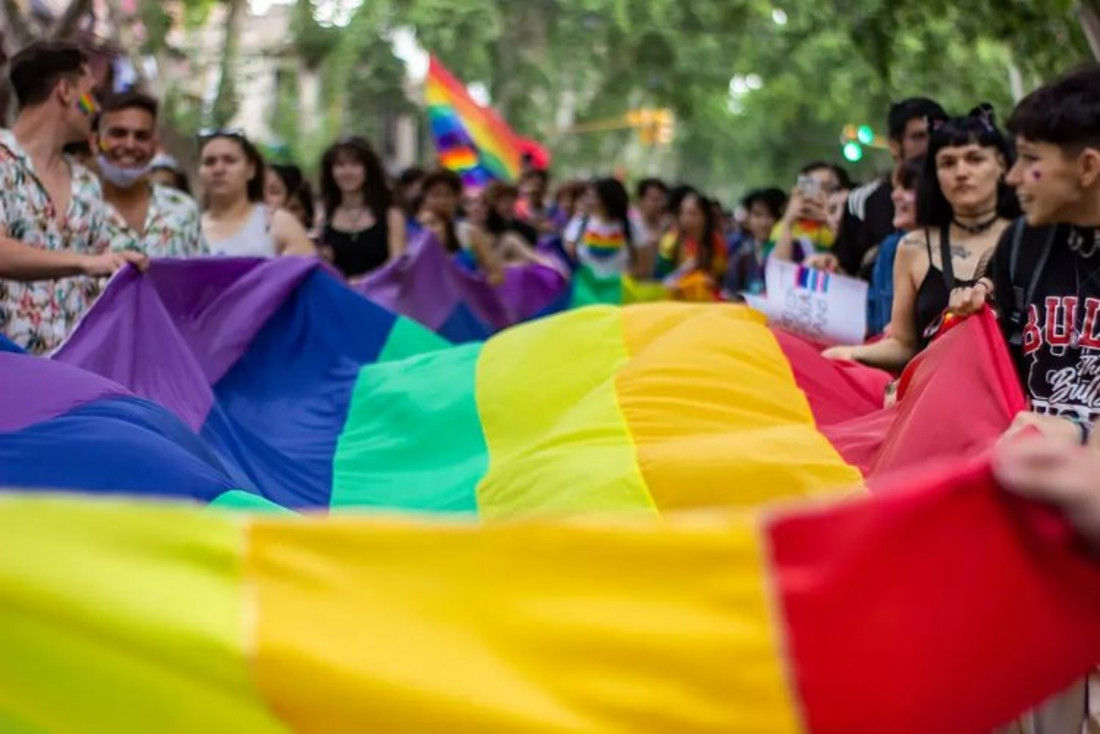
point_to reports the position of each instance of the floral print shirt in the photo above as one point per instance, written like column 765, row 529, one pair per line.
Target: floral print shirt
column 172, row 226
column 39, row 315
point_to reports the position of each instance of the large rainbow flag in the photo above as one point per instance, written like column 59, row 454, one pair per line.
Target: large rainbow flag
column 469, row 139
column 572, row 526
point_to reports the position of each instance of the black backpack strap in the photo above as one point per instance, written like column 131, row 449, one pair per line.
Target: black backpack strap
column 1021, row 295
column 947, row 266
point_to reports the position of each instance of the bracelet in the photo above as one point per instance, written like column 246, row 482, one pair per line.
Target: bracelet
column 1086, row 427
column 1084, row 430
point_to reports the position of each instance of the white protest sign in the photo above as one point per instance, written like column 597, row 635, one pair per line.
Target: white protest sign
column 823, row 307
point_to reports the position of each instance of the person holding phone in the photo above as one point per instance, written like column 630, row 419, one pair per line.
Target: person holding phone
column 805, row 228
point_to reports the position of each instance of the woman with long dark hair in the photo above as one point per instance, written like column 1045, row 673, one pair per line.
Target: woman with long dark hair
column 235, row 220
column 692, row 256
column 285, row 187
column 364, row 227
column 603, row 239
column 963, row 206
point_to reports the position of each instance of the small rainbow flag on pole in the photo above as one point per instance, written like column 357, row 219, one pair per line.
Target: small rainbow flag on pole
column 470, row 139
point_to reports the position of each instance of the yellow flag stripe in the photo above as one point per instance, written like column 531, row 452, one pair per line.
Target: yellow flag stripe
column 715, row 413
column 540, row 626
column 557, row 440
column 126, row 619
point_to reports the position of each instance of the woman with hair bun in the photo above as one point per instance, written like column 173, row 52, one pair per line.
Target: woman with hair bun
column 963, row 206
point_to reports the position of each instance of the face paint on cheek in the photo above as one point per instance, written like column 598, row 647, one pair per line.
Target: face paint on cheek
column 87, row 104
column 1036, row 175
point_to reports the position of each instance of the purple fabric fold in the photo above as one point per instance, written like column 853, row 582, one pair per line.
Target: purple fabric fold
column 426, row 285
column 33, row 389
column 172, row 333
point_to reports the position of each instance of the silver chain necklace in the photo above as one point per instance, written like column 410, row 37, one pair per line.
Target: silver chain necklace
column 1085, row 243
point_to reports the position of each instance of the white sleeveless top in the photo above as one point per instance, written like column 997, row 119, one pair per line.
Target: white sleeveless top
column 254, row 239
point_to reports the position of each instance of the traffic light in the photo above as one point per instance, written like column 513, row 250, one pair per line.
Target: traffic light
column 853, row 139
column 666, row 126
column 654, row 126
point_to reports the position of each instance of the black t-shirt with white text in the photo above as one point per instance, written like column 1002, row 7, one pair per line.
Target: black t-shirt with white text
column 1058, row 357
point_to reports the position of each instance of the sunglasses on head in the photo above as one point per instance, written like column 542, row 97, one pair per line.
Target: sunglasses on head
column 224, row 132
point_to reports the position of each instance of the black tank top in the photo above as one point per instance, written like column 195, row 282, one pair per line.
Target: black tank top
column 934, row 293
column 356, row 253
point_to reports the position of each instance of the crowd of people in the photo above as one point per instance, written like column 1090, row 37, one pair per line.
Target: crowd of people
column 972, row 215
column 942, row 230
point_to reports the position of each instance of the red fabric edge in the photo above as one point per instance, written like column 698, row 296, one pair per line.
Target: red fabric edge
column 940, row 605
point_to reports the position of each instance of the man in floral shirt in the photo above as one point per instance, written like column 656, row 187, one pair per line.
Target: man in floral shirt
column 53, row 244
column 141, row 216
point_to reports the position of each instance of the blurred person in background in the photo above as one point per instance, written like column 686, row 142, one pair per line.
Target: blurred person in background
column 235, row 220
column 533, row 206
column 364, row 228
column 286, row 188
column 804, row 230
column 868, row 216
column 603, row 240
column 503, row 198
column 650, row 214
column 880, row 294
column 166, row 171
column 564, row 208
column 500, row 234
column 409, row 191
column 691, row 257
column 748, row 248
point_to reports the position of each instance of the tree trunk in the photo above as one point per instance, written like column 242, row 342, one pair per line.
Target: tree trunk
column 69, row 21
column 225, row 101
column 1089, row 14
column 17, row 31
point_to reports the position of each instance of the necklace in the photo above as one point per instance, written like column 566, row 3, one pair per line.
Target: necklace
column 1082, row 243
column 976, row 228
column 1075, row 337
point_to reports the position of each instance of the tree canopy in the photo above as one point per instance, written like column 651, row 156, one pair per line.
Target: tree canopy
column 758, row 87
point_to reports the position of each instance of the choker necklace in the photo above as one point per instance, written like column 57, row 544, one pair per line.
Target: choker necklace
column 977, row 228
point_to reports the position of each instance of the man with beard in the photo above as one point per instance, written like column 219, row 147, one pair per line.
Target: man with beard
column 142, row 216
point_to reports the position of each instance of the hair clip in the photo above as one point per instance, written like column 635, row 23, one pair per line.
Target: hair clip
column 935, row 123
column 984, row 113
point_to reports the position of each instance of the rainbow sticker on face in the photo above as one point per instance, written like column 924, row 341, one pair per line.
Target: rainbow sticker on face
column 87, row 104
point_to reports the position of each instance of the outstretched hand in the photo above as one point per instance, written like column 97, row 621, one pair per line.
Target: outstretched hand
column 840, row 354
column 1057, row 473
column 107, row 263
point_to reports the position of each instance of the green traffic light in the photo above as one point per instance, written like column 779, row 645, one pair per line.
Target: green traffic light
column 865, row 134
column 853, row 152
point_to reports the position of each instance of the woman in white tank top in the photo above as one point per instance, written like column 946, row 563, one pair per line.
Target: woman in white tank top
column 235, row 221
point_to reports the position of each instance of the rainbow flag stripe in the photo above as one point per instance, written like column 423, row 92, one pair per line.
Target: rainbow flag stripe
column 458, row 122
column 828, row 620
column 589, row 545
column 460, row 160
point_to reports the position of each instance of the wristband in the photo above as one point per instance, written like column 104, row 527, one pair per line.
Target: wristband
column 1084, row 430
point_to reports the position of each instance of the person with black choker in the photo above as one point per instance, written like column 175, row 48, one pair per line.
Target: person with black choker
column 963, row 205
